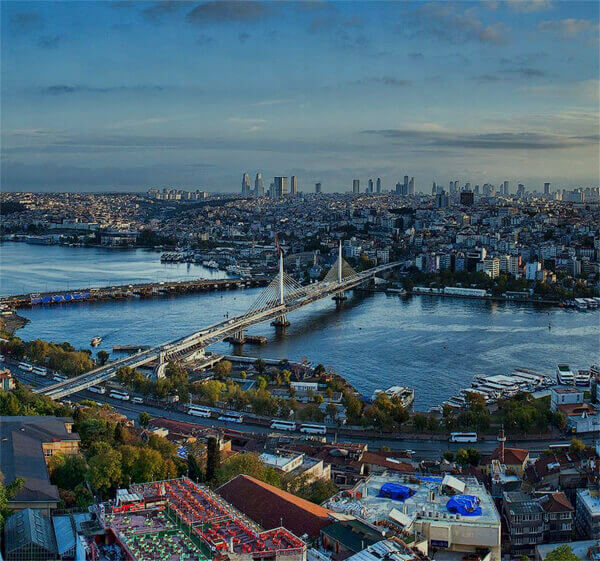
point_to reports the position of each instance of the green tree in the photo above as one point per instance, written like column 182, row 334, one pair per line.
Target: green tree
column 213, row 459
column 468, row 456
column 247, row 463
column 562, row 553
column 67, row 472
column 576, row 445
column 105, row 468
column 260, row 366
column 7, row 493
column 194, row 469
column 102, row 357
column 144, row 419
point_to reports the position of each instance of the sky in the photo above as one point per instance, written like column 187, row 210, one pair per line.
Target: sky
column 128, row 95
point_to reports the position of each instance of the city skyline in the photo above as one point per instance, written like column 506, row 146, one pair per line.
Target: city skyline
column 125, row 96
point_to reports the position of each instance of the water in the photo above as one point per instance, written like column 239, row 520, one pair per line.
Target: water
column 434, row 345
column 39, row 268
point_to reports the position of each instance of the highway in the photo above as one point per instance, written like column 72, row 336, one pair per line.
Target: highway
column 423, row 448
column 275, row 307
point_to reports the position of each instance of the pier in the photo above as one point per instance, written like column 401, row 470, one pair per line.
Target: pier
column 125, row 291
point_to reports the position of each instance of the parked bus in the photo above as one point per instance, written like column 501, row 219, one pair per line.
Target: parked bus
column 25, row 366
column 231, row 417
column 198, row 411
column 97, row 389
column 313, row 429
column 60, row 378
column 463, row 437
column 119, row 395
column 283, row 425
column 40, row 370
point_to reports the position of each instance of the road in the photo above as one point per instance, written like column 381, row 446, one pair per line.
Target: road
column 426, row 449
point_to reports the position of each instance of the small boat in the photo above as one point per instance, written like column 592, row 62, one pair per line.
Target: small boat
column 96, row 341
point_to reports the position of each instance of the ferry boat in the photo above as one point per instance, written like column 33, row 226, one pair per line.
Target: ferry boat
column 212, row 264
column 405, row 394
column 96, row 341
column 583, row 378
column 564, row 374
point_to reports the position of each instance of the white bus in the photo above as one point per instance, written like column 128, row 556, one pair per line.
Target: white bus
column 313, row 429
column 463, row 437
column 97, row 389
column 283, row 425
column 40, row 370
column 60, row 378
column 119, row 395
column 198, row 411
column 231, row 417
column 26, row 366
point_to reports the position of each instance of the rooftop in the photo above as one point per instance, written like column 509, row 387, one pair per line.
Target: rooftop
column 427, row 500
column 591, row 499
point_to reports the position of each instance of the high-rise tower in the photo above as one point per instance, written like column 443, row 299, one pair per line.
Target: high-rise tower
column 259, row 189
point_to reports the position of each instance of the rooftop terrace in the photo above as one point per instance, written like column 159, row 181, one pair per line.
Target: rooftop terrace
column 423, row 497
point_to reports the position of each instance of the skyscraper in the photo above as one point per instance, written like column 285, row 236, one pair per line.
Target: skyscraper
column 294, row 186
column 398, row 188
column 546, row 188
column 245, row 185
column 259, row 190
column 520, row 190
column 356, row 186
column 370, row 189
column 379, row 184
column 505, row 188
column 317, row 188
column 411, row 186
column 280, row 187
column 433, row 189
column 405, row 187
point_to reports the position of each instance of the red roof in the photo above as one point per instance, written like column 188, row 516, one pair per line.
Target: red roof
column 271, row 507
column 512, row 456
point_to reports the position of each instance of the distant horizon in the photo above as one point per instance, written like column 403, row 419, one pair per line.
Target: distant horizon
column 115, row 95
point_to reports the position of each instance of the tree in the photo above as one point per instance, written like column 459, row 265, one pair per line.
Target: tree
column 103, row 357
column 562, row 553
column 448, row 456
column 67, row 472
column 468, row 456
column 247, row 463
column 194, row 469
column 211, row 390
column 7, row 493
column 576, row 445
column 144, row 419
column 419, row 422
column 105, row 468
column 259, row 365
column 213, row 459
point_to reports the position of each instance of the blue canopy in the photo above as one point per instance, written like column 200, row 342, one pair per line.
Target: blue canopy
column 395, row 491
column 465, row 505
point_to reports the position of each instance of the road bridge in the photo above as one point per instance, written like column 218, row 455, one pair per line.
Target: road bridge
column 281, row 297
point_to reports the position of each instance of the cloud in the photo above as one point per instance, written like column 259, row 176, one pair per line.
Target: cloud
column 484, row 141
column 66, row 89
column 528, row 6
column 225, row 11
column 442, row 21
column 416, row 56
column 511, row 74
column 587, row 90
column 204, row 39
column 49, row 42
column 567, row 27
column 25, row 22
column 243, row 37
column 159, row 10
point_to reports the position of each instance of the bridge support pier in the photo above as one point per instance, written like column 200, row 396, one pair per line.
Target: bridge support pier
column 237, row 339
column 280, row 322
column 339, row 298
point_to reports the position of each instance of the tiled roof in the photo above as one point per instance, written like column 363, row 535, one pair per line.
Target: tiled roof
column 272, row 507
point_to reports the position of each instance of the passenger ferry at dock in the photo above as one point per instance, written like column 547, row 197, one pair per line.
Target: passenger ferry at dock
column 404, row 394
column 564, row 374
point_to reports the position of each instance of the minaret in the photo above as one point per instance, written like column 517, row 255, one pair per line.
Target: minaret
column 501, row 440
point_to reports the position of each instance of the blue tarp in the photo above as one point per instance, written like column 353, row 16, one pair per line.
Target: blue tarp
column 395, row 491
column 465, row 505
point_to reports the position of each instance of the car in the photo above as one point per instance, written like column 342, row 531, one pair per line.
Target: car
column 137, row 400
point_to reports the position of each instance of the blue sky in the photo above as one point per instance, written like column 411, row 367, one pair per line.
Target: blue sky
column 129, row 95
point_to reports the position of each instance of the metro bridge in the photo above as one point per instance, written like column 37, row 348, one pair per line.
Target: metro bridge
column 282, row 296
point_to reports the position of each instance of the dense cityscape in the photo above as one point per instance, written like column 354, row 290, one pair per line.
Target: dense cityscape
column 300, row 281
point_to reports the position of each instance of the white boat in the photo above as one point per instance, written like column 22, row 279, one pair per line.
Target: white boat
column 564, row 374
column 211, row 264
column 404, row 394
column 96, row 341
column 583, row 378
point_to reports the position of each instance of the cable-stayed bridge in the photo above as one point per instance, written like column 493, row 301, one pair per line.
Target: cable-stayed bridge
column 281, row 297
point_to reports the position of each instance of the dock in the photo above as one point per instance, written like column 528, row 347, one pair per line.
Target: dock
column 128, row 291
